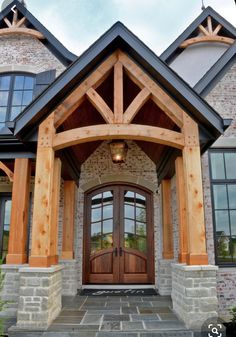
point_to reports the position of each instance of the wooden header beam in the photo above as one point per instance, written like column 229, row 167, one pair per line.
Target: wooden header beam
column 118, row 131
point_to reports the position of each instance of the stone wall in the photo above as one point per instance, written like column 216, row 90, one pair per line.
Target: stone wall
column 18, row 50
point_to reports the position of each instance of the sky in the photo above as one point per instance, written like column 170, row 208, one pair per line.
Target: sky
column 78, row 23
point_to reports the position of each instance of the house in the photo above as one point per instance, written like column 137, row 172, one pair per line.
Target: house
column 117, row 167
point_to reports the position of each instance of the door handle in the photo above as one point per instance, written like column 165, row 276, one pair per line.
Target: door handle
column 120, row 251
column 116, row 251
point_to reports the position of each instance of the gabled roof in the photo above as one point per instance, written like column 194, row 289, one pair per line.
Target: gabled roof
column 174, row 49
column 216, row 72
column 119, row 37
column 56, row 47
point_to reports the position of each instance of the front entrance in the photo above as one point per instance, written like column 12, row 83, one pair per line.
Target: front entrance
column 118, row 238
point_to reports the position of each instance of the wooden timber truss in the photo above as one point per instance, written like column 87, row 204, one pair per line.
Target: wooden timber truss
column 18, row 26
column 208, row 34
column 118, row 126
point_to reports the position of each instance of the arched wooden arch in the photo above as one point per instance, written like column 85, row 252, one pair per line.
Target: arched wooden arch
column 8, row 172
column 118, row 125
column 118, row 131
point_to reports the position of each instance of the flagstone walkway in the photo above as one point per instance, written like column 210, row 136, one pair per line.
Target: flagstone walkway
column 108, row 316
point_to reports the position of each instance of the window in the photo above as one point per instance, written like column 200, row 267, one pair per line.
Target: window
column 5, row 209
column 223, row 187
column 16, row 92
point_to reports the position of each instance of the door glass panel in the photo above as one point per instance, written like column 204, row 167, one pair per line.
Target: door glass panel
column 96, row 229
column 107, row 241
column 141, row 229
column 129, row 197
column 96, row 243
column 97, row 200
column 130, row 240
column 129, row 226
column 129, row 211
column 107, row 211
column 140, row 200
column 232, row 196
column 108, row 226
column 140, row 214
column 141, row 244
column 96, row 214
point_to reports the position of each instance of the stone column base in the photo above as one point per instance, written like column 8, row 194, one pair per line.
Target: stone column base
column 165, row 277
column 69, row 277
column 194, row 293
column 40, row 297
column 10, row 289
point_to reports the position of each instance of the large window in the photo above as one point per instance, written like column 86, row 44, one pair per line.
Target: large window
column 5, row 213
column 16, row 92
column 223, row 184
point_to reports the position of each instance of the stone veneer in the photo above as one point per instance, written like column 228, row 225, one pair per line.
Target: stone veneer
column 194, row 293
column 69, row 277
column 39, row 296
column 28, row 51
column 165, row 277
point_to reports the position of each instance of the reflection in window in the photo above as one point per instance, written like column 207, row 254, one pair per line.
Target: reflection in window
column 223, row 181
column 101, row 221
column 16, row 92
column 135, row 221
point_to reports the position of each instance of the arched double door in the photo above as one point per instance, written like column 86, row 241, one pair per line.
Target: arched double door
column 118, row 236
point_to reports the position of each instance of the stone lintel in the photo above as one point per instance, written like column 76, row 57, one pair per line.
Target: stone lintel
column 49, row 270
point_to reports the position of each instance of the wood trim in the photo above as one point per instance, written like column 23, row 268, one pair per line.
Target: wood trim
column 118, row 131
column 203, row 30
column 209, row 38
column 118, row 93
column 68, row 220
column 218, row 28
column 159, row 96
column 73, row 101
column 167, row 226
column 8, row 172
column 194, row 194
column 98, row 102
column 19, row 212
column 181, row 203
column 136, row 105
column 14, row 30
column 43, row 213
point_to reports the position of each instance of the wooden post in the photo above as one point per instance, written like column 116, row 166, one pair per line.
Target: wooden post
column 19, row 213
column 194, row 194
column 167, row 227
column 68, row 220
column 181, row 202
column 45, row 215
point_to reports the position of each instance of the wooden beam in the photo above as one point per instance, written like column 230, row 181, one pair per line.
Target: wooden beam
column 216, row 31
column 21, row 31
column 69, row 220
column 20, row 22
column 17, row 253
column 210, row 38
column 15, row 17
column 97, row 101
column 203, row 30
column 8, row 23
column 73, row 101
column 8, row 172
column 194, row 194
column 209, row 25
column 181, row 203
column 118, row 93
column 136, row 105
column 167, row 226
column 55, row 208
column 43, row 213
column 117, row 131
column 159, row 96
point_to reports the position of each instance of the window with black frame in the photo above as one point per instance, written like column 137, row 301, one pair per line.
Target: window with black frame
column 223, row 187
column 5, row 209
column 16, row 92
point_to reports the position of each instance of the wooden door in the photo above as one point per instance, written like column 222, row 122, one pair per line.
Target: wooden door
column 118, row 237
